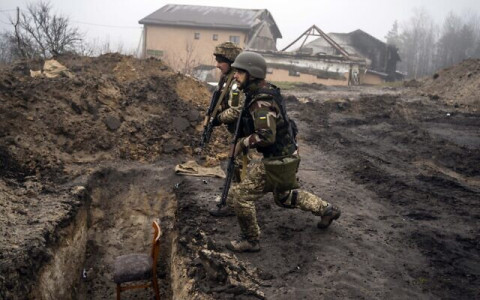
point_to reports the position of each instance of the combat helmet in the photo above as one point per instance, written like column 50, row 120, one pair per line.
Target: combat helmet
column 251, row 62
column 227, row 50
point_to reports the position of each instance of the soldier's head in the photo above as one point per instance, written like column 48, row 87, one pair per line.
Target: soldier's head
column 249, row 66
column 225, row 54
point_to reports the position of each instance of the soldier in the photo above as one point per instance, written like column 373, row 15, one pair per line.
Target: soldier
column 266, row 127
column 231, row 105
column 225, row 55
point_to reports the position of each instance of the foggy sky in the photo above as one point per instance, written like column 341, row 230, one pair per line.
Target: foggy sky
column 117, row 20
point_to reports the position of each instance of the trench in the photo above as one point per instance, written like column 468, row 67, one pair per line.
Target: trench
column 116, row 219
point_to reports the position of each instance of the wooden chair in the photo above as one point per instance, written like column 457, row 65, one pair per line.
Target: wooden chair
column 138, row 267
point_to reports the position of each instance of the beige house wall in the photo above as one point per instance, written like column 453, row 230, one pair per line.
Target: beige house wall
column 178, row 47
column 371, row 79
column 283, row 76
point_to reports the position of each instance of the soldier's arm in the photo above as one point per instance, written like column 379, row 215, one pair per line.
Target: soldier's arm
column 265, row 115
column 235, row 103
column 230, row 115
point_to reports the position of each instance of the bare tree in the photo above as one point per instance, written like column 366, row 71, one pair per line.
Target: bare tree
column 448, row 43
column 40, row 33
column 417, row 44
column 424, row 48
column 191, row 60
column 393, row 36
column 105, row 47
column 459, row 39
column 473, row 21
column 183, row 62
column 8, row 48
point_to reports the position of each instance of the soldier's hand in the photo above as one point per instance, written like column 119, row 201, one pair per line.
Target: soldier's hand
column 235, row 151
column 216, row 122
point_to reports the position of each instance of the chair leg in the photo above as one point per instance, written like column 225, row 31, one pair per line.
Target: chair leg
column 155, row 288
column 119, row 290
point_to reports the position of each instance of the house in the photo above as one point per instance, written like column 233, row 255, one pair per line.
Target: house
column 337, row 67
column 185, row 36
column 381, row 58
column 306, row 68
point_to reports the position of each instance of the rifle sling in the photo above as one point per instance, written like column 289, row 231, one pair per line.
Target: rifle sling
column 222, row 95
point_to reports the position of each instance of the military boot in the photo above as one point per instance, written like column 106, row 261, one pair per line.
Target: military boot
column 224, row 211
column 331, row 213
column 243, row 245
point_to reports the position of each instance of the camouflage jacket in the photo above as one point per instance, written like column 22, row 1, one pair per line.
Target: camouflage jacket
column 231, row 104
column 263, row 126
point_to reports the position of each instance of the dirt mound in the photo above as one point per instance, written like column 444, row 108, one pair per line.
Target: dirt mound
column 55, row 131
column 456, row 85
column 113, row 107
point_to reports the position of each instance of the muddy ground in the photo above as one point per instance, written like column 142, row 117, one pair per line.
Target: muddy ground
column 405, row 172
column 401, row 162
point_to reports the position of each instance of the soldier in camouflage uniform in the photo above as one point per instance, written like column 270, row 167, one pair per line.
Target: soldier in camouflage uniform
column 266, row 127
column 225, row 55
column 231, row 105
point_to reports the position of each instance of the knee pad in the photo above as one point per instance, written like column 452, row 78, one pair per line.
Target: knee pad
column 288, row 201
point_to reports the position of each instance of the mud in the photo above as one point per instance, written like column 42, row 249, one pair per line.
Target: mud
column 405, row 173
column 88, row 161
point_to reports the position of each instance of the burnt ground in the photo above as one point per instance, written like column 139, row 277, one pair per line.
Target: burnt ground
column 87, row 164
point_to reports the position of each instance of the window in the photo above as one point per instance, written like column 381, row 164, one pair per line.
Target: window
column 235, row 39
column 215, row 37
column 154, row 53
column 197, row 35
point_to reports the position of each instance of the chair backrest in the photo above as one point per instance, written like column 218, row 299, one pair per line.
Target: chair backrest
column 157, row 232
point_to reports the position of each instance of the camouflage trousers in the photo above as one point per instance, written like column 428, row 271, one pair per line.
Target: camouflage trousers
column 239, row 162
column 243, row 195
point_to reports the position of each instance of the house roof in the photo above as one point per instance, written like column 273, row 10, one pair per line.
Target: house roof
column 320, row 45
column 346, row 40
column 209, row 17
column 379, row 55
column 362, row 33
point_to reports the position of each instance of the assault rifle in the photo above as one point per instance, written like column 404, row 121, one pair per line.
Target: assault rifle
column 212, row 111
column 231, row 160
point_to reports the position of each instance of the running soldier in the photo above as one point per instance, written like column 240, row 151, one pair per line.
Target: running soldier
column 266, row 127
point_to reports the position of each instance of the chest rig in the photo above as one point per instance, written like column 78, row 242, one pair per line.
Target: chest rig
column 286, row 130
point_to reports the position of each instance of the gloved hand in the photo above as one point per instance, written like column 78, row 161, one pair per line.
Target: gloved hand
column 216, row 122
column 238, row 149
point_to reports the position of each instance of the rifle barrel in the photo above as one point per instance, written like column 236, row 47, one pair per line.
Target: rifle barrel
column 231, row 161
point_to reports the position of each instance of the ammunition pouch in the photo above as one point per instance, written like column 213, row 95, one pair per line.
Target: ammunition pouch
column 281, row 173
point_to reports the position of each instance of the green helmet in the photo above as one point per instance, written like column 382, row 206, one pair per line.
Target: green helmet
column 227, row 50
column 251, row 62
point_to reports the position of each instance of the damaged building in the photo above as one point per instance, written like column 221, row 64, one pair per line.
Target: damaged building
column 334, row 59
column 380, row 58
column 337, row 67
column 185, row 36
